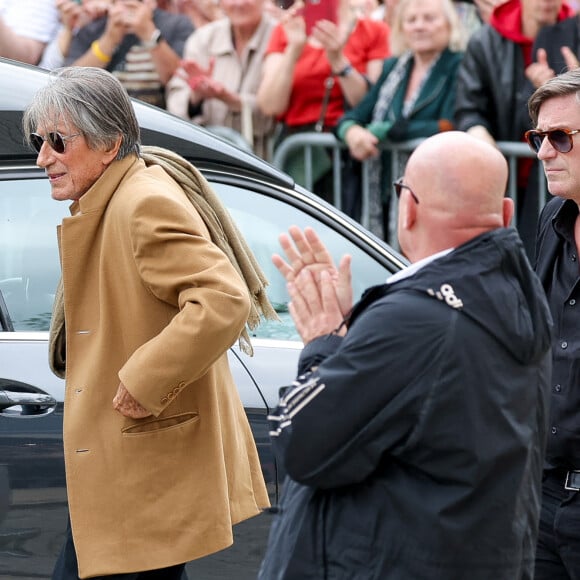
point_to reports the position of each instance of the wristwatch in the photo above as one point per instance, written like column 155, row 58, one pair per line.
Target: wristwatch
column 345, row 71
column 155, row 39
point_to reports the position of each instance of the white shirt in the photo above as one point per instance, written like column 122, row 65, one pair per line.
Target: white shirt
column 36, row 19
column 416, row 266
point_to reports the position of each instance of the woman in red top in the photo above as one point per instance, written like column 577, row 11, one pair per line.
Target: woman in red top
column 297, row 69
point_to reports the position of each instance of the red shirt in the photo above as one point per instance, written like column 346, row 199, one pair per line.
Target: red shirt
column 368, row 41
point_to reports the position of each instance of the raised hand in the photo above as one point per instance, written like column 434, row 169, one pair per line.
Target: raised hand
column 570, row 58
column 305, row 251
column 194, row 69
column 314, row 305
column 539, row 72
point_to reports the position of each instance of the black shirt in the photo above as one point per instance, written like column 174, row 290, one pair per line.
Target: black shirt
column 563, row 292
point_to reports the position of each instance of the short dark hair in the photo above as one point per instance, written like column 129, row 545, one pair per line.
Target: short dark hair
column 560, row 86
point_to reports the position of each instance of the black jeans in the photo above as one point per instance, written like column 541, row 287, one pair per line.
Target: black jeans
column 66, row 567
column 558, row 551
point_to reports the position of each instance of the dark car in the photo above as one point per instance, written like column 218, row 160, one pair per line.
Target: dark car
column 263, row 201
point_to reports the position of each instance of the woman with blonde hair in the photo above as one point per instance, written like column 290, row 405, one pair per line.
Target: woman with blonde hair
column 414, row 96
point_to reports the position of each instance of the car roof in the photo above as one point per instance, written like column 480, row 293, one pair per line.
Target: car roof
column 158, row 127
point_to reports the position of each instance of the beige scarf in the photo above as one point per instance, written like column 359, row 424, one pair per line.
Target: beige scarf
column 224, row 233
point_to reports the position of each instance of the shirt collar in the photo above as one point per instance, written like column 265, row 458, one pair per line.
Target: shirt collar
column 564, row 220
column 416, row 266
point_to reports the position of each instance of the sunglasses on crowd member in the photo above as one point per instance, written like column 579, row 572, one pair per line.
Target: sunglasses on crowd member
column 399, row 186
column 560, row 139
column 54, row 139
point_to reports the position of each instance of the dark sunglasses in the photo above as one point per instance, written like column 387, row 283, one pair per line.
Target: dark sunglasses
column 560, row 139
column 54, row 139
column 399, row 186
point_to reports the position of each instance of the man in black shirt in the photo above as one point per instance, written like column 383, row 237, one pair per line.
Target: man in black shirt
column 555, row 112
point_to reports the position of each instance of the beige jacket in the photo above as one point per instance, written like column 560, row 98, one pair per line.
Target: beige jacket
column 151, row 302
column 238, row 75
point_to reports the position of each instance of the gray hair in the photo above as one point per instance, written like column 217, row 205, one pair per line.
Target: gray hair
column 559, row 86
column 398, row 42
column 91, row 99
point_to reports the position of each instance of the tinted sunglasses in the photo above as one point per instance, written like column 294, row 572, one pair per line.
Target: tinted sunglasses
column 560, row 139
column 399, row 186
column 54, row 139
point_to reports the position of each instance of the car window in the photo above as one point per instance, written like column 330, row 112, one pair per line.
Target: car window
column 29, row 268
column 261, row 219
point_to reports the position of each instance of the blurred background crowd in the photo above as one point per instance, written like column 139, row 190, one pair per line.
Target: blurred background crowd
column 366, row 71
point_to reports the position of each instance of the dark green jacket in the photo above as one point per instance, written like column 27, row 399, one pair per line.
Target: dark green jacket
column 436, row 101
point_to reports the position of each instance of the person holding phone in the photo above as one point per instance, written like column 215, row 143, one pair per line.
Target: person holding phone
column 314, row 69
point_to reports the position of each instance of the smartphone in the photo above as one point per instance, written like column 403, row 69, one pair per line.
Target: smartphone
column 315, row 10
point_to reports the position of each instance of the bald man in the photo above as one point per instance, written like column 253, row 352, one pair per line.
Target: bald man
column 414, row 433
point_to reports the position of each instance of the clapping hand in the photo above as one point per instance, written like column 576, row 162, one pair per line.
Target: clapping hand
column 305, row 251
column 198, row 77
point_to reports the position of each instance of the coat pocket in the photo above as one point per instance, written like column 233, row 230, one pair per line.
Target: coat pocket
column 159, row 424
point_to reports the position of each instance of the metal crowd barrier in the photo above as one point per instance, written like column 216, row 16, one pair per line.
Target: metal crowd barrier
column 306, row 141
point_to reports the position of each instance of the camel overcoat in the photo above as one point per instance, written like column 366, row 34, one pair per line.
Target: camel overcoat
column 152, row 302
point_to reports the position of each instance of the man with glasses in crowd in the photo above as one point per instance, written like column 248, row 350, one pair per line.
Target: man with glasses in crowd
column 555, row 112
column 414, row 433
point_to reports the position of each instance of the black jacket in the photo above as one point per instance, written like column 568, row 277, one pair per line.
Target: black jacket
column 414, row 445
column 492, row 89
column 552, row 38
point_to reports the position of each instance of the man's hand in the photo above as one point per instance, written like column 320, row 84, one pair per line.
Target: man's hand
column 305, row 251
column 190, row 68
column 116, row 27
column 127, row 405
column 570, row 58
column 314, row 305
column 139, row 17
column 539, row 72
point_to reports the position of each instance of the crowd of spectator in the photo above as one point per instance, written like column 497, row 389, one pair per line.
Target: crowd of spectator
column 370, row 71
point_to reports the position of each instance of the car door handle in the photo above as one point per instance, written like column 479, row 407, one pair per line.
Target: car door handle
column 20, row 400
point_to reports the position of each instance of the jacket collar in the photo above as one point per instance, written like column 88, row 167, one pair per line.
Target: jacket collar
column 102, row 190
